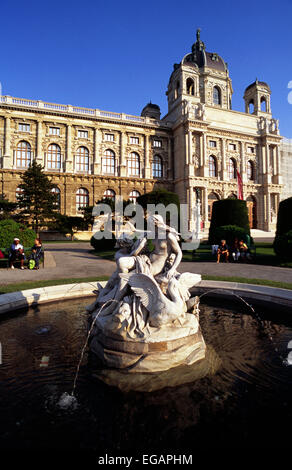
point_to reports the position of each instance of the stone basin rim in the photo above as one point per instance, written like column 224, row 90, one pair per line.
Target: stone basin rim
column 13, row 301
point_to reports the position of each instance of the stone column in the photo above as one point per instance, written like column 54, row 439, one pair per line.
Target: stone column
column 190, row 154
column 278, row 165
column 39, row 157
column 123, row 160
column 169, row 173
column 96, row 158
column 206, row 206
column 223, row 148
column 242, row 169
column 147, row 169
column 7, row 157
column 204, row 149
column 69, row 160
column 268, row 174
column 268, row 211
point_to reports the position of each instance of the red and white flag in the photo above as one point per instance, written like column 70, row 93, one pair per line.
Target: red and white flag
column 239, row 186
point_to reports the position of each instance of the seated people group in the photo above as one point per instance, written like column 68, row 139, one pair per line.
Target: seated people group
column 238, row 250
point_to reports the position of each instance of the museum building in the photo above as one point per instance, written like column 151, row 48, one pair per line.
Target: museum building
column 196, row 150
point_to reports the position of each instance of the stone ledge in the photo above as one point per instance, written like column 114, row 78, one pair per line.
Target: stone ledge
column 271, row 295
column 26, row 298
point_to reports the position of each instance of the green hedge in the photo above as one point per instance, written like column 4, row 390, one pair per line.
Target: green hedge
column 229, row 233
column 284, row 219
column 103, row 244
column 228, row 212
column 283, row 246
column 9, row 229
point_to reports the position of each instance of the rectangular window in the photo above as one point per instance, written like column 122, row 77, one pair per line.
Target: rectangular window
column 232, row 146
column 109, row 137
column 54, row 131
column 212, row 143
column 24, row 127
column 250, row 149
column 157, row 143
column 83, row 134
column 134, row 140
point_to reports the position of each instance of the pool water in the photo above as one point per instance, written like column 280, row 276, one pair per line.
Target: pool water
column 241, row 396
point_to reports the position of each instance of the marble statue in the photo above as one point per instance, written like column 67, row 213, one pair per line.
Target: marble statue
column 144, row 318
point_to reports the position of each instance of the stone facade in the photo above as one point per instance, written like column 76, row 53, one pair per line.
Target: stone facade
column 286, row 159
column 197, row 148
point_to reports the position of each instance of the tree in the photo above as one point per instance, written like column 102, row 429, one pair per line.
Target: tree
column 67, row 224
column 7, row 208
column 37, row 202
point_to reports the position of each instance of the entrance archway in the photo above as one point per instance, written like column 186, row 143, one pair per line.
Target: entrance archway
column 212, row 197
column 251, row 204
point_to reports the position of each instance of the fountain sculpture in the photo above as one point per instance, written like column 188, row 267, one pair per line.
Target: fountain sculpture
column 144, row 319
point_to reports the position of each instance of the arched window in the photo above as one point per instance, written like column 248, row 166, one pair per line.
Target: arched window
column 212, row 166
column 133, row 164
column 216, row 95
column 190, row 87
column 212, row 197
column 109, row 193
column 24, row 154
column 231, row 169
column 250, row 170
column 157, row 167
column 82, row 198
column 133, row 196
column 263, row 104
column 82, row 160
column 176, row 90
column 251, row 107
column 54, row 157
column 57, row 192
column 108, row 162
column 232, row 196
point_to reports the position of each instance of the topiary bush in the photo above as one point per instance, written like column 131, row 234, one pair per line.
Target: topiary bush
column 284, row 219
column 9, row 229
column 228, row 212
column 103, row 244
column 229, row 233
column 283, row 245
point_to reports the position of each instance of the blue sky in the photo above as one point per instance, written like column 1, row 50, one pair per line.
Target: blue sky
column 118, row 55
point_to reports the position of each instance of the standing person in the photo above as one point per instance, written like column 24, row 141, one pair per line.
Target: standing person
column 16, row 252
column 37, row 253
column 222, row 250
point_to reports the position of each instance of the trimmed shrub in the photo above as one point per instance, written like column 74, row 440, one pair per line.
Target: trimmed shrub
column 103, row 244
column 228, row 212
column 283, row 245
column 158, row 196
column 9, row 229
column 229, row 233
column 284, row 219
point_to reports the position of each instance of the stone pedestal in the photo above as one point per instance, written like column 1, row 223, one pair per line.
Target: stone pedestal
column 163, row 348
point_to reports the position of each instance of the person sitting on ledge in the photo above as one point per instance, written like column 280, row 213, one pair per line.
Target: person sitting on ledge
column 244, row 251
column 222, row 250
column 37, row 253
column 16, row 252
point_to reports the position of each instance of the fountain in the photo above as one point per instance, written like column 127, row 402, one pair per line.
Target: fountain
column 144, row 319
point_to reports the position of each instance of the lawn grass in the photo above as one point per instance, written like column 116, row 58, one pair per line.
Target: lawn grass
column 245, row 280
column 264, row 255
column 46, row 283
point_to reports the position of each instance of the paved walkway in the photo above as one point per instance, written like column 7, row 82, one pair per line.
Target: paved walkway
column 66, row 260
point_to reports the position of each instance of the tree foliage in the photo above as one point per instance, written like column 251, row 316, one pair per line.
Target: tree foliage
column 9, row 229
column 37, row 203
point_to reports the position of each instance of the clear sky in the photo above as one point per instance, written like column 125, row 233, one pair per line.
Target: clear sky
column 118, row 55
